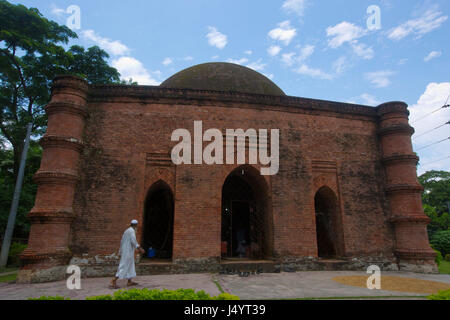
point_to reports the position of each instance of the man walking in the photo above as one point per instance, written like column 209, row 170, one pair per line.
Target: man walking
column 128, row 245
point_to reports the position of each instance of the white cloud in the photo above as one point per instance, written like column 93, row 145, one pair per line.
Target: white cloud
column 188, row 58
column 292, row 58
column 432, row 99
column 366, row 99
column 59, row 12
column 380, row 79
column 130, row 67
column 167, row 61
column 340, row 65
column 363, row 51
column 284, row 33
column 403, row 61
column 115, row 48
column 306, row 52
column 348, row 32
column 315, row 73
column 274, row 50
column 342, row 33
column 248, row 52
column 214, row 57
column 241, row 61
column 295, row 6
column 288, row 58
column 432, row 55
column 256, row 65
column 216, row 39
column 428, row 22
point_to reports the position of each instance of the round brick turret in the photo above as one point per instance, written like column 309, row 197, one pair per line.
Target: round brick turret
column 404, row 190
column 52, row 214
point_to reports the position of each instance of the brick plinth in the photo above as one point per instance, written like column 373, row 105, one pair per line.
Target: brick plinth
column 403, row 189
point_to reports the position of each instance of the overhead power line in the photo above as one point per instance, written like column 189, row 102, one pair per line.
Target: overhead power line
column 446, row 105
column 433, row 144
column 448, row 122
column 448, row 157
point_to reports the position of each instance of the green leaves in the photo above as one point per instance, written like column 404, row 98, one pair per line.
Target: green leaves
column 435, row 197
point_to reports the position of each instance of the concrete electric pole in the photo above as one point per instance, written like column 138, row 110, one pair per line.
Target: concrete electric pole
column 15, row 203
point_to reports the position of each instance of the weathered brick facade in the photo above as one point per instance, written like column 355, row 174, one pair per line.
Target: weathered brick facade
column 106, row 146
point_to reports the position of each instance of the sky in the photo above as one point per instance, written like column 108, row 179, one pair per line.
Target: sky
column 355, row 51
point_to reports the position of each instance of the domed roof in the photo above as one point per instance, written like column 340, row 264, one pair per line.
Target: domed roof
column 221, row 76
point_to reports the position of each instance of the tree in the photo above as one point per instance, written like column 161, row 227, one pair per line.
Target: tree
column 31, row 56
column 28, row 193
column 91, row 64
column 25, row 79
column 435, row 199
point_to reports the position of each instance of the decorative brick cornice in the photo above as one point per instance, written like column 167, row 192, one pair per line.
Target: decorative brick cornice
column 66, row 107
column 53, row 216
column 392, row 107
column 401, row 158
column 404, row 188
column 61, row 142
column 399, row 128
column 50, row 177
column 190, row 96
column 68, row 81
column 421, row 219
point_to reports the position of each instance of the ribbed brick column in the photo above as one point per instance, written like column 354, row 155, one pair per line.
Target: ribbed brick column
column 52, row 214
column 403, row 189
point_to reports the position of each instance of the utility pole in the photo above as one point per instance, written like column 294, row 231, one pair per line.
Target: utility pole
column 15, row 203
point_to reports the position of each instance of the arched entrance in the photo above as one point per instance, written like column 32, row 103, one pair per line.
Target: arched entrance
column 327, row 224
column 246, row 225
column 158, row 220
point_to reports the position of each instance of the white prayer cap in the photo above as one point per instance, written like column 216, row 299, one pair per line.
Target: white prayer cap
column 134, row 222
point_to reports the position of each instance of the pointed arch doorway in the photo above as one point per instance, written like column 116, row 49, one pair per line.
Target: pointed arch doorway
column 158, row 221
column 328, row 230
column 246, row 223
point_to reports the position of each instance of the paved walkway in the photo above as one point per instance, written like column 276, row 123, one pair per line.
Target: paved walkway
column 311, row 284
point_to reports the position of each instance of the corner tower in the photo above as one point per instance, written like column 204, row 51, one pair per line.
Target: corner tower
column 404, row 190
column 48, row 251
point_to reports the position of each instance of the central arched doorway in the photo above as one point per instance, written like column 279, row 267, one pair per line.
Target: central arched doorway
column 327, row 223
column 158, row 221
column 246, row 225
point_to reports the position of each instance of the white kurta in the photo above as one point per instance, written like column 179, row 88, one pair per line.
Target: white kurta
column 128, row 244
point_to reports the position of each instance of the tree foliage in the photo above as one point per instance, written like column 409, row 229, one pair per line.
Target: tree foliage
column 435, row 199
column 7, row 183
column 32, row 53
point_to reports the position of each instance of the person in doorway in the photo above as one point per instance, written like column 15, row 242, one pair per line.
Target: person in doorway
column 128, row 245
column 240, row 237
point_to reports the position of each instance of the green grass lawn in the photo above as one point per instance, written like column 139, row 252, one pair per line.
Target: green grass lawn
column 444, row 267
column 8, row 269
column 8, row 278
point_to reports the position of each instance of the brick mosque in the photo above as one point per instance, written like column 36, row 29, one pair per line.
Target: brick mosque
column 346, row 194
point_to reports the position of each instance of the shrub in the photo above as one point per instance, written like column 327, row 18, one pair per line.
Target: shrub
column 438, row 258
column 146, row 294
column 441, row 295
column 447, row 257
column 441, row 241
column 14, row 252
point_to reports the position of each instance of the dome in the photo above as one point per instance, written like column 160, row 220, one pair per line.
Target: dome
column 221, row 76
